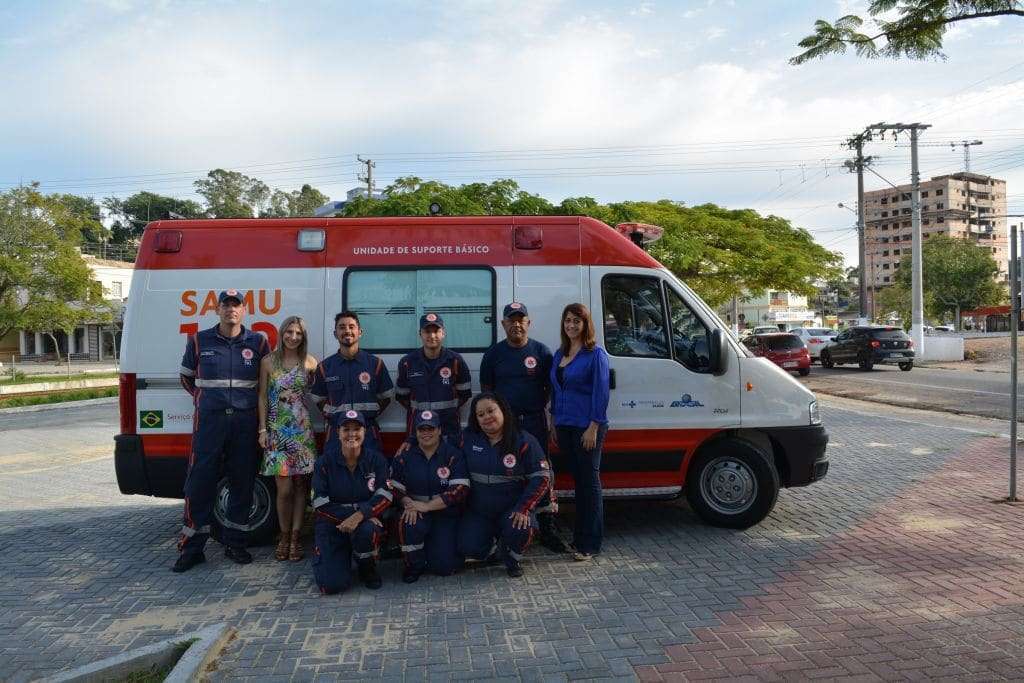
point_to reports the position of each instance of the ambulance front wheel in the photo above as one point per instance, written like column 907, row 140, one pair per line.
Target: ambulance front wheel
column 261, row 527
column 732, row 484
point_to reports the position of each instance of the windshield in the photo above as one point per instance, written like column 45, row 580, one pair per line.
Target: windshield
column 783, row 342
column 818, row 332
column 889, row 334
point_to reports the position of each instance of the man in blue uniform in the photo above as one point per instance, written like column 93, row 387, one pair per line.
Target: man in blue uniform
column 349, row 496
column 352, row 379
column 434, row 378
column 220, row 369
column 518, row 368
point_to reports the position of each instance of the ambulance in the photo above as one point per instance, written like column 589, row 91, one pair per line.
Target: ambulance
column 692, row 411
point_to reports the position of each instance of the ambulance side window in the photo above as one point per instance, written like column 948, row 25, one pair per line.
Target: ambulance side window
column 691, row 339
column 390, row 301
column 634, row 317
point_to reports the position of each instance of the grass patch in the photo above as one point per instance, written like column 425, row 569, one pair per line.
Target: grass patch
column 22, row 378
column 158, row 673
column 57, row 397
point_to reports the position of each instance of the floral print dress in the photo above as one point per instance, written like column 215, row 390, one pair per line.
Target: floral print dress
column 291, row 449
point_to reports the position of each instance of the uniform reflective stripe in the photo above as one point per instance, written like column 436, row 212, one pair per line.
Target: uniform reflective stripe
column 541, row 473
column 434, row 405
column 363, row 407
column 465, row 386
column 227, row 383
column 546, row 508
column 188, row 372
column 458, row 482
column 495, row 478
column 190, row 532
column 322, row 500
column 386, row 394
column 365, row 556
column 412, row 548
column 232, row 525
column 397, row 485
column 514, row 555
column 386, row 494
column 400, row 391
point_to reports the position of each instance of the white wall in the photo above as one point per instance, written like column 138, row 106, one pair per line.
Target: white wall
column 944, row 348
column 110, row 277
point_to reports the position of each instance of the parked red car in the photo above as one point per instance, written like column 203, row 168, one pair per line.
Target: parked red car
column 786, row 350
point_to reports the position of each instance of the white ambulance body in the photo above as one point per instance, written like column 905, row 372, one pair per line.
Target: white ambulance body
column 691, row 410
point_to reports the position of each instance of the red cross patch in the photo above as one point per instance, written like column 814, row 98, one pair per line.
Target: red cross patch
column 445, row 373
column 352, row 415
column 530, row 362
column 443, row 472
column 247, row 354
column 509, row 461
column 371, row 483
column 431, row 317
column 364, row 378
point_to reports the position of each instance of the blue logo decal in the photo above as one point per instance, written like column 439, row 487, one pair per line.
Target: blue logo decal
column 686, row 401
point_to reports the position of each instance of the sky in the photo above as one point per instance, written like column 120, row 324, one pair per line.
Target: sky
column 692, row 101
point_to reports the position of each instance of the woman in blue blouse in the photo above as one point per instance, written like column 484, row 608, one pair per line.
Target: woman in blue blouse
column 579, row 407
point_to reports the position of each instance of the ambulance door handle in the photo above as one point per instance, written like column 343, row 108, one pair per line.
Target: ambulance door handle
column 611, row 378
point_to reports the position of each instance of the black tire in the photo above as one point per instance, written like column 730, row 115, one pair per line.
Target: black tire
column 732, row 484
column 804, row 371
column 865, row 363
column 826, row 360
column 907, row 367
column 262, row 526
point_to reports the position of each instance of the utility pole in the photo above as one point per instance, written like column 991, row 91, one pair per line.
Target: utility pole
column 857, row 166
column 368, row 178
column 916, row 285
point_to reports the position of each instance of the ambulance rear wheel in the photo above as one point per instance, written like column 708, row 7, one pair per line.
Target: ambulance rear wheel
column 732, row 484
column 261, row 528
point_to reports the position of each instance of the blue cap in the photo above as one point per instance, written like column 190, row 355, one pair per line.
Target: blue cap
column 429, row 319
column 514, row 308
column 429, row 418
column 235, row 294
column 353, row 416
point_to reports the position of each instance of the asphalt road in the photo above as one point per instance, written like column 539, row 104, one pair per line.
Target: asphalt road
column 986, row 394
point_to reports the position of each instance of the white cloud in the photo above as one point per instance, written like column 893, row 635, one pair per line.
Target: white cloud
column 713, row 33
column 643, row 9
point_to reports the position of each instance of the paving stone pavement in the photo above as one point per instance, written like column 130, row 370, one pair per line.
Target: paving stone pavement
column 896, row 566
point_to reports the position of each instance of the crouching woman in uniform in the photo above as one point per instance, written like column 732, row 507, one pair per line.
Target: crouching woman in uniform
column 509, row 475
column 349, row 496
column 430, row 482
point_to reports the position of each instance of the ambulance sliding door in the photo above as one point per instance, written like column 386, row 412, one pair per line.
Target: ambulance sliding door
column 665, row 399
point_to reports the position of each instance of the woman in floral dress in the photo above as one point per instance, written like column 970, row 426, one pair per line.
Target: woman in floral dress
column 286, row 434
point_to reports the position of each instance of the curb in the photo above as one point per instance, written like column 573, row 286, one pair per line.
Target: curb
column 65, row 405
column 208, row 643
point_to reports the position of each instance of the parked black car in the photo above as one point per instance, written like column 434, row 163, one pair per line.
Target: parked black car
column 866, row 346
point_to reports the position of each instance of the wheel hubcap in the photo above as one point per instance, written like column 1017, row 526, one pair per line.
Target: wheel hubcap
column 728, row 485
column 258, row 512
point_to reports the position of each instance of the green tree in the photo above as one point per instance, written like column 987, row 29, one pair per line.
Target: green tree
column 44, row 282
column 80, row 215
column 230, row 194
column 305, row 201
column 915, row 32
column 131, row 214
column 955, row 272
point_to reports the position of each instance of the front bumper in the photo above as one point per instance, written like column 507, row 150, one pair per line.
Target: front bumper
column 802, row 450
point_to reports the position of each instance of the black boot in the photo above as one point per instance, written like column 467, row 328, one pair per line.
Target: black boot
column 411, row 574
column 237, row 554
column 368, row 574
column 548, row 535
column 186, row 562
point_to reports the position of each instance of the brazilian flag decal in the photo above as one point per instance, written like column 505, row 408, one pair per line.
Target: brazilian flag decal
column 151, row 419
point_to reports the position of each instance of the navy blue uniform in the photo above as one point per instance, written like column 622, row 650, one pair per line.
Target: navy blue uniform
column 362, row 383
column 502, row 483
column 223, row 377
column 338, row 493
column 431, row 542
column 522, row 377
column 441, row 385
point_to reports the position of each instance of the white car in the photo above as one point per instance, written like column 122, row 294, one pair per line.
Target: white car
column 816, row 338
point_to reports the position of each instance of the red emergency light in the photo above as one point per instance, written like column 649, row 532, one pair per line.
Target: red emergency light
column 641, row 234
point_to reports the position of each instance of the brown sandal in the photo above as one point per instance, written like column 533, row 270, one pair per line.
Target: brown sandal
column 295, row 553
column 281, row 551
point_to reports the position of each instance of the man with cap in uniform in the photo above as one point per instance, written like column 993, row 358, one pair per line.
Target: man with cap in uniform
column 434, row 378
column 220, row 369
column 518, row 368
column 430, row 482
column 350, row 493
column 352, row 379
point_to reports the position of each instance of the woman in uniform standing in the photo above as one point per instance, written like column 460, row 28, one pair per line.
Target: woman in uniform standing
column 285, row 432
column 509, row 475
column 430, row 482
column 349, row 496
column 579, row 409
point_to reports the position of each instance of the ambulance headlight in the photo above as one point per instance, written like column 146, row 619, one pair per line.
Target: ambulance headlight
column 813, row 413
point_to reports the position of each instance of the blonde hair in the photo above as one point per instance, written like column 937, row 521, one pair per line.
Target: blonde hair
column 303, row 345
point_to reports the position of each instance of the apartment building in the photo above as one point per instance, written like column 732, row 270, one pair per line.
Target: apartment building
column 782, row 309
column 959, row 205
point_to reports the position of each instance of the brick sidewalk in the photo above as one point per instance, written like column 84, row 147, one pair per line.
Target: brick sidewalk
column 896, row 566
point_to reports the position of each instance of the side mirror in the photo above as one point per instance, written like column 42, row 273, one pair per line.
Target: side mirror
column 719, row 352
